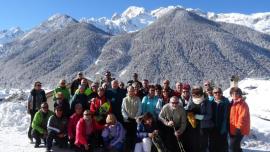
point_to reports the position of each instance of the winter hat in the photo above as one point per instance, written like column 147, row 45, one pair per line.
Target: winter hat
column 186, row 87
column 197, row 91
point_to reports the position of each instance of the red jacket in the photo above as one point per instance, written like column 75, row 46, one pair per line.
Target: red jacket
column 97, row 102
column 239, row 117
column 81, row 137
column 73, row 120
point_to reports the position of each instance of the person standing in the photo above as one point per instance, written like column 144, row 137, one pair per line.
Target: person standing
column 218, row 141
column 75, row 83
column 116, row 96
column 63, row 89
column 36, row 97
column 173, row 117
column 239, row 119
column 200, row 115
column 149, row 102
column 131, row 109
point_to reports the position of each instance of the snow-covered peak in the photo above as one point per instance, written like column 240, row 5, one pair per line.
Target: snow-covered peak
column 133, row 11
column 10, row 34
column 135, row 18
column 53, row 23
column 58, row 21
column 163, row 10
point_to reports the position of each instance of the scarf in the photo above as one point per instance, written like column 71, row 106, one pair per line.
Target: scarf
column 198, row 100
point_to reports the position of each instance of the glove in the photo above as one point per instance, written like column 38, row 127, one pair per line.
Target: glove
column 199, row 117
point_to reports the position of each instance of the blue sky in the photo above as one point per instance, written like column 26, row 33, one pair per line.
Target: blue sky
column 29, row 13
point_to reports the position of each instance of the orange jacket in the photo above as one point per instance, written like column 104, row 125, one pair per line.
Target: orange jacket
column 239, row 117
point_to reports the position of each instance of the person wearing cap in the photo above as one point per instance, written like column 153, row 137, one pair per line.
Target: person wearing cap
column 85, row 132
column 36, row 97
column 199, row 113
column 81, row 98
column 73, row 120
column 113, row 134
column 57, row 129
column 107, row 79
column 185, row 95
column 61, row 100
column 178, row 89
column 131, row 109
column 63, row 89
column 166, row 86
column 75, row 83
column 173, row 117
column 39, row 124
column 239, row 119
column 116, row 96
column 218, row 141
column 135, row 79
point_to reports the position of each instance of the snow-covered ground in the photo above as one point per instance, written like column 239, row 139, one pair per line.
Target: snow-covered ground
column 14, row 120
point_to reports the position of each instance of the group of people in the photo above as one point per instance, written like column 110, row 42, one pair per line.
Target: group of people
column 140, row 117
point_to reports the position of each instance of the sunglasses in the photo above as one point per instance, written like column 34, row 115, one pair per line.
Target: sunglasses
column 175, row 103
column 39, row 85
column 217, row 92
column 44, row 107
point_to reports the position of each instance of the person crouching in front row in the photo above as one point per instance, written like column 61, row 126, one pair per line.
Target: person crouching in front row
column 57, row 129
column 85, row 132
column 113, row 134
column 39, row 124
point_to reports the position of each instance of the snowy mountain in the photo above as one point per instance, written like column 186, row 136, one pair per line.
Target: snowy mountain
column 136, row 18
column 10, row 35
column 52, row 24
column 205, row 50
column 14, row 120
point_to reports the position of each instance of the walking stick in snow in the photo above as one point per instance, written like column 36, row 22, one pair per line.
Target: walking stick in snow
column 179, row 142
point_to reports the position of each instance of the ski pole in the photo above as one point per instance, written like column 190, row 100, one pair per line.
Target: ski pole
column 179, row 142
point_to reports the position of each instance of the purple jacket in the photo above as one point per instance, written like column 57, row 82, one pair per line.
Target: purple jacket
column 115, row 134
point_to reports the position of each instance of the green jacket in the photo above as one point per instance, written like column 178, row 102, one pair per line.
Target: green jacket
column 40, row 122
column 65, row 91
column 87, row 91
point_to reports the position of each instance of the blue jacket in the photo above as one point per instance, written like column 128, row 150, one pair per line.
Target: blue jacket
column 221, row 115
column 149, row 105
column 142, row 131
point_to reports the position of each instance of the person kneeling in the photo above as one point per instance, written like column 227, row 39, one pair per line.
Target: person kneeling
column 85, row 132
column 146, row 131
column 39, row 124
column 113, row 134
column 57, row 129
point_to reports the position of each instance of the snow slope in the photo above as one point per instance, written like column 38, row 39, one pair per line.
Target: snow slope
column 14, row 120
column 10, row 35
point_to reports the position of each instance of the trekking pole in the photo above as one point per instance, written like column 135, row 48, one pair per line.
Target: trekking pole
column 179, row 142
